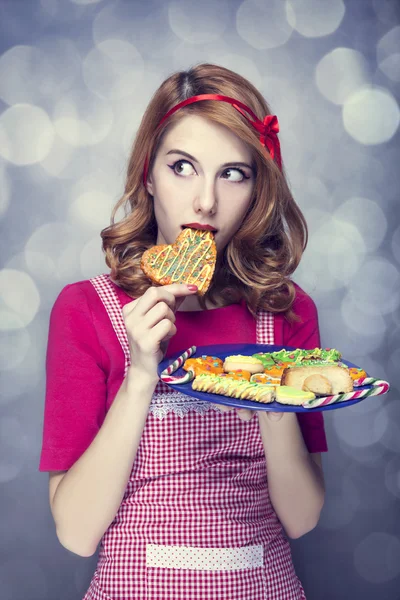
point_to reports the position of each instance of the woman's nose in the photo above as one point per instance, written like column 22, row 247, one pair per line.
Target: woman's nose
column 206, row 199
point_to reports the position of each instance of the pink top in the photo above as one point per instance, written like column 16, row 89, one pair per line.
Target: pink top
column 85, row 363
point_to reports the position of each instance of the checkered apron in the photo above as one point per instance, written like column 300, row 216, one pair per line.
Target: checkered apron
column 196, row 521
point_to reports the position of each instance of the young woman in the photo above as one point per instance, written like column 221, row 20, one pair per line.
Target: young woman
column 187, row 500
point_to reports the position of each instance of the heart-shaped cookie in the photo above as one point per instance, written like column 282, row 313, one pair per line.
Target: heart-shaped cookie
column 190, row 259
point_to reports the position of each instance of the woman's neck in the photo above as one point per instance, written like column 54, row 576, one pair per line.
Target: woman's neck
column 191, row 303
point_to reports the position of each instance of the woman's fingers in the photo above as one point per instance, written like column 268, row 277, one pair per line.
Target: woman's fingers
column 243, row 413
column 172, row 295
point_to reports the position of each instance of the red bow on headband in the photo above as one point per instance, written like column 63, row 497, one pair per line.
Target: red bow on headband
column 268, row 128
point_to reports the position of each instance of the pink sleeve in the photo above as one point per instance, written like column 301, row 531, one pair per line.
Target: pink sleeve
column 75, row 382
column 305, row 334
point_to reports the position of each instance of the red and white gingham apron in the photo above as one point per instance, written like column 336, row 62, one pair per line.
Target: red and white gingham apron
column 195, row 522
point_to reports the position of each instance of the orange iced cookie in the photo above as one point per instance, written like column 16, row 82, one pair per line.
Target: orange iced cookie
column 356, row 373
column 238, row 375
column 204, row 364
column 275, row 371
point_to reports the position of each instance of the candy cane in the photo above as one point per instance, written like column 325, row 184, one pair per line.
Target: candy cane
column 166, row 373
column 378, row 388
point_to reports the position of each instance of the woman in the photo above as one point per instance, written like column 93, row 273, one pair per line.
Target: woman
column 187, row 499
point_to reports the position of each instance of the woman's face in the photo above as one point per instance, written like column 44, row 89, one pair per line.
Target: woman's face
column 202, row 174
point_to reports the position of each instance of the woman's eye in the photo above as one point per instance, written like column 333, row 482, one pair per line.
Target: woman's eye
column 235, row 175
column 182, row 167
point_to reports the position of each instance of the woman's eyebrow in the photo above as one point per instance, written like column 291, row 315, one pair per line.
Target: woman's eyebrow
column 230, row 164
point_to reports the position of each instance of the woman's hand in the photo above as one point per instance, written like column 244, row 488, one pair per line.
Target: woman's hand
column 245, row 414
column 150, row 324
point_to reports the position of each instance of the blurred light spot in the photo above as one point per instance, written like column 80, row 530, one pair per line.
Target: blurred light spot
column 13, row 446
column 376, row 290
column 334, row 254
column 82, row 119
column 391, row 437
column 22, row 379
column 360, row 429
column 93, row 209
column 387, row 11
column 19, row 299
column 359, row 321
column 97, row 192
column 144, row 25
column 370, row 483
column 13, row 348
column 392, row 476
column 315, row 18
column 32, row 74
column 19, row 77
column 113, row 69
column 368, row 217
column 388, row 54
column 396, row 244
column 48, row 250
column 347, row 498
column 340, row 73
column 26, row 134
column 371, row 115
column 377, row 557
column 184, row 53
column 312, row 195
column 198, row 23
column 114, row 21
column 394, row 363
column 337, row 335
column 92, row 259
column 4, row 190
column 263, row 25
column 58, row 159
column 281, row 97
column 370, row 456
column 51, row 7
column 242, row 65
column 35, row 577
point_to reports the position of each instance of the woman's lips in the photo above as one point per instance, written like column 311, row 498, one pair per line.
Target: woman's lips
column 202, row 226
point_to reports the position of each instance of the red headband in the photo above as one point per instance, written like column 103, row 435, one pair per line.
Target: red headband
column 268, row 128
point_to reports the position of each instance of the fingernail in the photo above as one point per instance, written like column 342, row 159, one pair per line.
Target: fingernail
column 192, row 288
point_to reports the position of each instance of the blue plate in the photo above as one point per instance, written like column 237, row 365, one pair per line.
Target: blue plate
column 224, row 350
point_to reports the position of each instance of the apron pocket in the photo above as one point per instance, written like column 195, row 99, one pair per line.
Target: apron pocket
column 186, row 572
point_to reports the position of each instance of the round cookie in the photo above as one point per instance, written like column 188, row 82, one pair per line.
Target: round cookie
column 238, row 362
column 289, row 395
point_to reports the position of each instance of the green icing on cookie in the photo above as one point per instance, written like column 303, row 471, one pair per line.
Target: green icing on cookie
column 265, row 358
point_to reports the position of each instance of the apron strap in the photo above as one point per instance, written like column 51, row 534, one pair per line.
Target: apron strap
column 265, row 327
column 103, row 286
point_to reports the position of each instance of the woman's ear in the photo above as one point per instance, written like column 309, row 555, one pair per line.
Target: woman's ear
column 149, row 185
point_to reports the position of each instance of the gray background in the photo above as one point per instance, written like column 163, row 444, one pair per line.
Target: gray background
column 75, row 77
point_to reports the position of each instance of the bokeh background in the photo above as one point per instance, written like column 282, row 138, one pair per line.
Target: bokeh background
column 75, row 77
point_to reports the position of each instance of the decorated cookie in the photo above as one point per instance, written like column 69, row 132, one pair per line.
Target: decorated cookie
column 204, row 364
column 276, row 371
column 239, row 375
column 191, row 259
column 240, row 362
column 227, row 386
column 289, row 395
column 265, row 379
column 356, row 373
column 266, row 359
